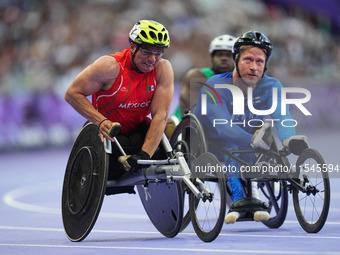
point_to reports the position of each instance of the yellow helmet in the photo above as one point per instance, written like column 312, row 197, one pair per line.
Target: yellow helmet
column 150, row 32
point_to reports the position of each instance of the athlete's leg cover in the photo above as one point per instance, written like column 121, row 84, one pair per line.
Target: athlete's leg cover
column 236, row 188
column 234, row 179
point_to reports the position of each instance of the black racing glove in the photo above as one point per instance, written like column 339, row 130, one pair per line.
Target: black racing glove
column 134, row 158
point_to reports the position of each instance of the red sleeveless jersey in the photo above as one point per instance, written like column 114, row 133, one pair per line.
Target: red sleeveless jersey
column 129, row 98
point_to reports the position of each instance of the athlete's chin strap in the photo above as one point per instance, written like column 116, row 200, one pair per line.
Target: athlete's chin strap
column 133, row 58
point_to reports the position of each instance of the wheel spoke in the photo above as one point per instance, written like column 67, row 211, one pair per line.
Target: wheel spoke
column 312, row 207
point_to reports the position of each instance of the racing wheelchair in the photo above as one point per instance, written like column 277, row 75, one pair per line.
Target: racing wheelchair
column 307, row 180
column 159, row 186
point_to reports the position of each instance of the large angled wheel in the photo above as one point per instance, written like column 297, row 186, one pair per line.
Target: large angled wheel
column 274, row 191
column 163, row 203
column 84, row 184
column 312, row 205
column 188, row 137
column 275, row 194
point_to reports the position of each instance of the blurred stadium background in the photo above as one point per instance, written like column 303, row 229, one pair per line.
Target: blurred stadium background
column 45, row 44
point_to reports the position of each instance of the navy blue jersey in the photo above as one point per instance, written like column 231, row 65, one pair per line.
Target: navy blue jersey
column 239, row 134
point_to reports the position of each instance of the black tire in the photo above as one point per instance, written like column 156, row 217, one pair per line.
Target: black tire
column 275, row 194
column 188, row 137
column 84, row 184
column 318, row 195
column 189, row 129
column 207, row 216
column 186, row 213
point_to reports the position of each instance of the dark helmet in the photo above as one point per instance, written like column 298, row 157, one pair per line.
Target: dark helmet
column 253, row 38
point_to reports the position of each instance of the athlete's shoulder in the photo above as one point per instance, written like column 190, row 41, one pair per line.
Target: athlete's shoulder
column 164, row 67
column 121, row 58
column 223, row 75
column 105, row 66
column 165, row 63
column 222, row 78
column 195, row 73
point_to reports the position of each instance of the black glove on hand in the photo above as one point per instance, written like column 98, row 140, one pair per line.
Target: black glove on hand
column 133, row 161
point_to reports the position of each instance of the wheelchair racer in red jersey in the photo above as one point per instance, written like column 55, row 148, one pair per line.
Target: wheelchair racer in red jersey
column 126, row 86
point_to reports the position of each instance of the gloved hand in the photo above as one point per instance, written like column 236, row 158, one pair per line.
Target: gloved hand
column 130, row 162
column 262, row 138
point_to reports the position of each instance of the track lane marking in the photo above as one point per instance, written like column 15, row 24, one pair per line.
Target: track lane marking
column 172, row 249
column 307, row 236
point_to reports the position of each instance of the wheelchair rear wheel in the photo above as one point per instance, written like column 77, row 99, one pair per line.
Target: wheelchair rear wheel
column 84, row 184
column 312, row 205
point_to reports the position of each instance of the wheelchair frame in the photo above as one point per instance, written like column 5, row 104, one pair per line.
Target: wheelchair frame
column 298, row 183
column 85, row 184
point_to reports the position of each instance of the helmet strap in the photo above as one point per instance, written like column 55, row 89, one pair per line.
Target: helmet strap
column 265, row 68
column 237, row 69
column 133, row 59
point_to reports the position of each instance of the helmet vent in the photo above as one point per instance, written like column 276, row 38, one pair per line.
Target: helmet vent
column 144, row 34
column 153, row 35
column 151, row 27
column 160, row 37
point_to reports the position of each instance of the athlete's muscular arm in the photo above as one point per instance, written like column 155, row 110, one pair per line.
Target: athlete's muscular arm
column 160, row 106
column 100, row 75
column 188, row 95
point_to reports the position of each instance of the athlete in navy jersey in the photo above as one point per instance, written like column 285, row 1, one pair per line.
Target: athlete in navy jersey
column 232, row 132
column 240, row 134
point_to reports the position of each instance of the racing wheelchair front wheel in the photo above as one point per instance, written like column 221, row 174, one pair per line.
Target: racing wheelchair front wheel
column 207, row 213
column 188, row 138
column 311, row 205
column 84, row 184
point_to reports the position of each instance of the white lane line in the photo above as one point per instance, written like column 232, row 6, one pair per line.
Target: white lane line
column 172, row 249
column 306, row 236
column 327, row 222
column 12, row 197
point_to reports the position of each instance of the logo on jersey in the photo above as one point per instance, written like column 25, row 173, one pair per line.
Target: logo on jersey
column 151, row 88
column 132, row 105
